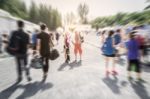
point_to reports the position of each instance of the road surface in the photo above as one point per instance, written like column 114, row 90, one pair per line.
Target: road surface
column 82, row 80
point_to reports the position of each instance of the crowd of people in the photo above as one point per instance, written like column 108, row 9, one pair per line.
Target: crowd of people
column 18, row 43
column 41, row 43
column 134, row 45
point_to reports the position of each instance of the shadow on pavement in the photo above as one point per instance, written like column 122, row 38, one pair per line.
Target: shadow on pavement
column 146, row 68
column 29, row 90
column 75, row 64
column 140, row 90
column 121, row 61
column 124, row 83
column 112, row 84
column 62, row 66
column 72, row 65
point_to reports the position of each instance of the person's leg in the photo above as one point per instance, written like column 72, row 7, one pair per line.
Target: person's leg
column 27, row 69
column 68, row 55
column 45, row 68
column 129, row 69
column 65, row 54
column 138, row 69
column 46, row 65
column 114, row 72
column 19, row 70
column 75, row 51
column 80, row 52
column 106, row 65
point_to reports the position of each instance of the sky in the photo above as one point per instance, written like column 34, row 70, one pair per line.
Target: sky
column 96, row 7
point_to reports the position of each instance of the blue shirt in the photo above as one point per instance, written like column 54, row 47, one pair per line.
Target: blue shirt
column 34, row 38
column 117, row 38
column 108, row 48
column 133, row 49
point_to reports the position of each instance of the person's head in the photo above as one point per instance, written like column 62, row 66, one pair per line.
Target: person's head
column 43, row 27
column 135, row 28
column 132, row 35
column 118, row 30
column 103, row 32
column 110, row 33
column 20, row 24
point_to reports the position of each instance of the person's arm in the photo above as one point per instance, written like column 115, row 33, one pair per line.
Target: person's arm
column 51, row 42
column 38, row 44
column 28, row 41
column 113, row 42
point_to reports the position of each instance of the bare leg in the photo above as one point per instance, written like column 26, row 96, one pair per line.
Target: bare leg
column 106, row 65
column 113, row 64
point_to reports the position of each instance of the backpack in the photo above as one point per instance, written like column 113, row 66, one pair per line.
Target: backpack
column 13, row 44
column 54, row 54
column 107, row 47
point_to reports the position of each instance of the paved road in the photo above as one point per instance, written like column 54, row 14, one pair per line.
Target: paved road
column 81, row 80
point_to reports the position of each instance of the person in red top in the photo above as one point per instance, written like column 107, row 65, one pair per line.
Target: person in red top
column 77, row 45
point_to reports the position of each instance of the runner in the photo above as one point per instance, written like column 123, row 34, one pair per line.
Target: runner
column 109, row 53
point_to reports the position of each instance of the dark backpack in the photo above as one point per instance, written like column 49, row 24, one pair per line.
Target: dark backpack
column 13, row 44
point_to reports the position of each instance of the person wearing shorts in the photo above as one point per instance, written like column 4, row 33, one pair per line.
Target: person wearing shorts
column 77, row 45
column 109, row 53
column 133, row 56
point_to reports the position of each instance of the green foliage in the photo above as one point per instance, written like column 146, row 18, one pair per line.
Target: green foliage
column 147, row 7
column 136, row 18
column 36, row 14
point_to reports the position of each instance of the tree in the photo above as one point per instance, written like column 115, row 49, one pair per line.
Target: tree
column 83, row 11
column 15, row 7
column 49, row 16
column 56, row 19
column 147, row 7
column 36, row 14
column 33, row 13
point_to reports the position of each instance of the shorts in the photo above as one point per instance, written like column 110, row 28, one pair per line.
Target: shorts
column 142, row 47
column 136, row 64
column 113, row 55
column 77, row 48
